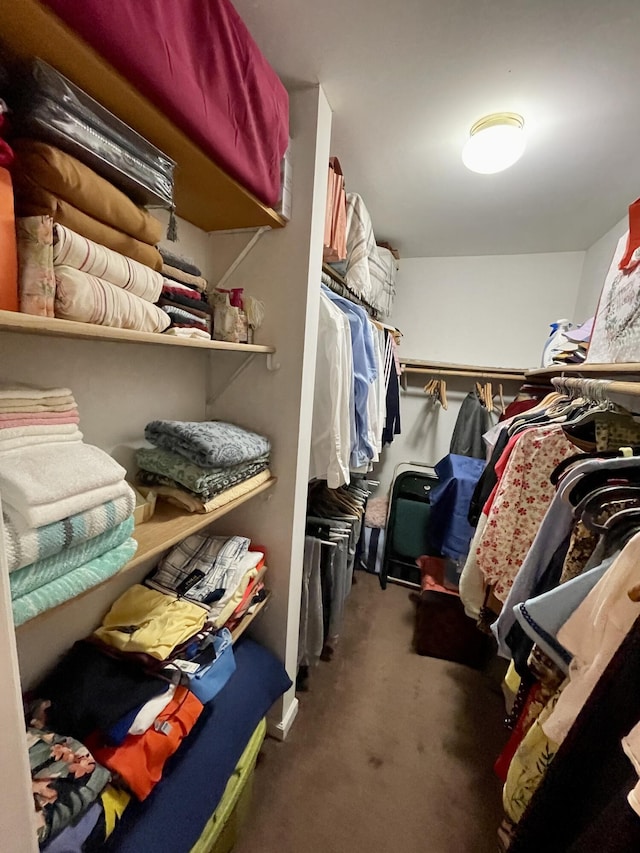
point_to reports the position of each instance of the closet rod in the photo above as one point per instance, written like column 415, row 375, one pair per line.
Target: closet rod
column 477, row 374
column 596, row 388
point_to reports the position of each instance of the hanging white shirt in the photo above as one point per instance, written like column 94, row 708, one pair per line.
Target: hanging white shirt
column 331, row 431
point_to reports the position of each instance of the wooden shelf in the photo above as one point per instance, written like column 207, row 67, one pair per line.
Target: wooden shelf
column 169, row 525
column 14, row 321
column 166, row 528
column 595, row 371
column 242, row 626
column 443, row 368
column 204, row 194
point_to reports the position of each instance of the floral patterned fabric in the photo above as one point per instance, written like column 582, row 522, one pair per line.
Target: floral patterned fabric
column 36, row 280
column 212, row 444
column 523, row 496
column 66, row 780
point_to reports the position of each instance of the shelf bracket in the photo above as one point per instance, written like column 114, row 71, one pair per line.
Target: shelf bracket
column 237, row 372
column 243, row 254
column 272, row 364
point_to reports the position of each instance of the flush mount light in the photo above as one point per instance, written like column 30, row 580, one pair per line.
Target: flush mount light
column 495, row 143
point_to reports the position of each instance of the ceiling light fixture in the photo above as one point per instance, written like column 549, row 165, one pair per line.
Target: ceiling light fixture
column 496, row 142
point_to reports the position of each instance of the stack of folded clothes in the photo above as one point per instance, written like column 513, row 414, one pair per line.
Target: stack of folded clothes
column 67, row 510
column 201, row 466
column 184, row 297
column 103, row 723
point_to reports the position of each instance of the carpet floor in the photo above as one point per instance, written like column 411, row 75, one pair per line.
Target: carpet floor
column 390, row 753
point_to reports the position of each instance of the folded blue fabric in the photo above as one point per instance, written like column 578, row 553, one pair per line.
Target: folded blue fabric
column 209, row 680
column 213, row 444
column 29, row 578
column 73, row 583
column 195, row 777
column 542, row 617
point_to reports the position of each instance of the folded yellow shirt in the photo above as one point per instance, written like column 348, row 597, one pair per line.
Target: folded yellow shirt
column 145, row 620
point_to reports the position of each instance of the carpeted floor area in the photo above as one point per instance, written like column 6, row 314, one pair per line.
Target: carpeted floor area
column 391, row 752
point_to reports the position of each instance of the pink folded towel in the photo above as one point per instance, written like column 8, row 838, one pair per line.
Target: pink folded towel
column 8, row 421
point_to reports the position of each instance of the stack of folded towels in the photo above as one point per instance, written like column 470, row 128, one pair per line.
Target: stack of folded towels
column 201, row 466
column 67, row 510
column 74, row 263
column 121, row 702
column 184, row 297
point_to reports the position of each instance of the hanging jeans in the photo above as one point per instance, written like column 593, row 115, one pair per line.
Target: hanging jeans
column 311, row 634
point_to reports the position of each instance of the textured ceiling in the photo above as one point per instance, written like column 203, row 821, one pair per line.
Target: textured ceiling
column 407, row 80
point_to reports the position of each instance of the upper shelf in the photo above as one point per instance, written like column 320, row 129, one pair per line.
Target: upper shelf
column 204, row 194
column 14, row 321
column 596, row 371
column 443, row 368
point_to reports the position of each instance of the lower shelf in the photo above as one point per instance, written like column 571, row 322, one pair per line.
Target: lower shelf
column 166, row 528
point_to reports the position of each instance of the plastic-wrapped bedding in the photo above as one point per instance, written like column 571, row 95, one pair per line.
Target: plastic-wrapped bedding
column 51, row 108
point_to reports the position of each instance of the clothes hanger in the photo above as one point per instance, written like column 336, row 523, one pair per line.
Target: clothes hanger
column 589, row 482
column 567, row 463
column 592, row 506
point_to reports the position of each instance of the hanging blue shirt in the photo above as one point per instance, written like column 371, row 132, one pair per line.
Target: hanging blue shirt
column 365, row 369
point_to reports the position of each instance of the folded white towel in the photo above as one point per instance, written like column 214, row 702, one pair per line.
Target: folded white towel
column 49, row 482
column 20, row 391
column 48, row 513
column 37, row 430
column 33, row 440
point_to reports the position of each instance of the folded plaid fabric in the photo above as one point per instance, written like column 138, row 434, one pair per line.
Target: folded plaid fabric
column 194, row 477
column 199, row 567
column 213, row 444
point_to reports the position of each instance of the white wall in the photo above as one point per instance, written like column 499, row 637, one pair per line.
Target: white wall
column 492, row 311
column 596, row 265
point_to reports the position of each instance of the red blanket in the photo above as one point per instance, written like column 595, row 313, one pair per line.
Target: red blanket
column 197, row 62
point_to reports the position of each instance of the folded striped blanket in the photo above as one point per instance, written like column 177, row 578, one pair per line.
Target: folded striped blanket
column 32, row 577
column 212, row 444
column 205, row 482
column 34, row 544
column 73, row 583
column 73, row 250
column 89, row 299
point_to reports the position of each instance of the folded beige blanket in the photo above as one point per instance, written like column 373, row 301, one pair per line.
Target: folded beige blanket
column 73, row 250
column 29, row 393
column 185, row 278
column 33, row 200
column 73, row 182
column 184, row 500
column 88, row 299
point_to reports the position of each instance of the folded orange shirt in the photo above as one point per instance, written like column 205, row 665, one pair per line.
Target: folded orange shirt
column 139, row 761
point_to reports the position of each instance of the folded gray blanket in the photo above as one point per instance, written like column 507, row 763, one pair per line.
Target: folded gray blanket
column 194, row 477
column 212, row 444
column 236, row 475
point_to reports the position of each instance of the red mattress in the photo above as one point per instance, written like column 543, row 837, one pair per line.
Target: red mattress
column 197, row 62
